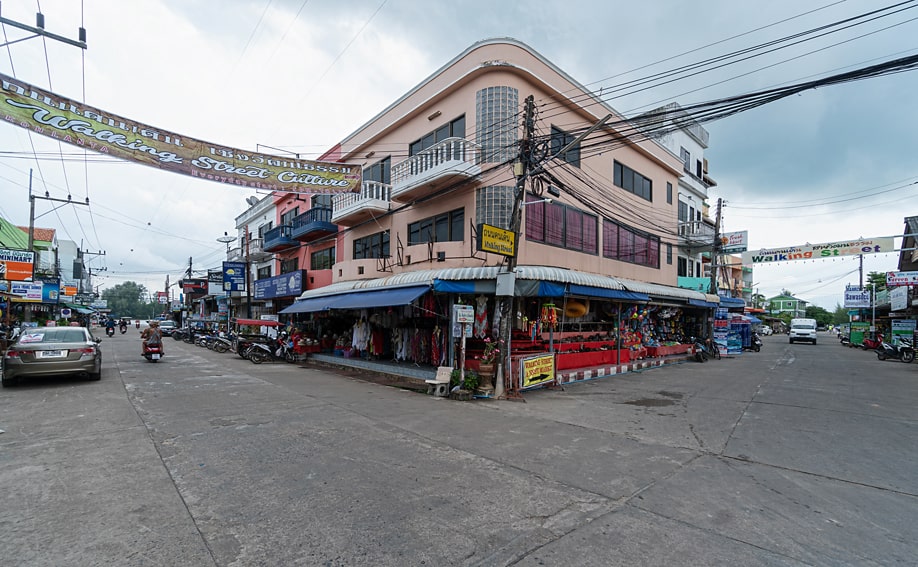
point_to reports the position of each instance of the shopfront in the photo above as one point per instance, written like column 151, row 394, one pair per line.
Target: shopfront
column 581, row 319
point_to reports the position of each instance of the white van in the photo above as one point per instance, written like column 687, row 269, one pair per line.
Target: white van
column 803, row 330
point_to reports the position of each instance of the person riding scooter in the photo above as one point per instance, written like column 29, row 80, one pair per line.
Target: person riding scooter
column 110, row 327
column 152, row 336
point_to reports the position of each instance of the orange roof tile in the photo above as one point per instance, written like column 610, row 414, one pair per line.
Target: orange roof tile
column 43, row 234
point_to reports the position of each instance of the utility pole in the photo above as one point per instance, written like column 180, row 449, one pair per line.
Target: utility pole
column 715, row 261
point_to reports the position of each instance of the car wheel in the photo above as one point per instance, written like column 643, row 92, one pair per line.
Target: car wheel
column 94, row 376
column 7, row 382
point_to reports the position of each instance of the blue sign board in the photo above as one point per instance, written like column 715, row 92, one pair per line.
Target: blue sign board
column 283, row 285
column 233, row 276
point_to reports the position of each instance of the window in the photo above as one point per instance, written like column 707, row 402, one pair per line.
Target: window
column 453, row 129
column 622, row 242
column 632, row 181
column 380, row 172
column 287, row 218
column 669, row 254
column 699, row 169
column 373, row 246
column 289, row 265
column 263, row 273
column 264, row 228
column 560, row 139
column 324, row 201
column 669, row 193
column 446, row 227
column 686, row 158
column 561, row 225
column 495, row 108
column 323, row 259
column 494, row 205
column 682, row 267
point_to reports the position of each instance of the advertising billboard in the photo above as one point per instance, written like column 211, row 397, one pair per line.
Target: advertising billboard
column 16, row 265
column 817, row 251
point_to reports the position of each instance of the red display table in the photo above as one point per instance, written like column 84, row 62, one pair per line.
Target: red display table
column 667, row 350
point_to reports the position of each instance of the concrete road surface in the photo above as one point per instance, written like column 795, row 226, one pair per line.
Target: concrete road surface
column 797, row 455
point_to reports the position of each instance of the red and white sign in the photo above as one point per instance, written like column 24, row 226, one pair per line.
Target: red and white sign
column 901, row 278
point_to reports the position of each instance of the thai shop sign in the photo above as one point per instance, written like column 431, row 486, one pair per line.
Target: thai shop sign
column 283, row 285
column 733, row 242
column 815, row 251
column 857, row 297
column 46, row 290
column 233, row 276
column 16, row 265
column 898, row 298
column 496, row 240
column 72, row 122
column 901, row 278
column 902, row 328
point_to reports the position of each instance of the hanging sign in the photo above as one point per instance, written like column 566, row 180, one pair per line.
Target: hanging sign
column 496, row 240
column 732, row 242
column 48, row 114
column 857, row 298
column 16, row 265
column 901, row 278
column 817, row 251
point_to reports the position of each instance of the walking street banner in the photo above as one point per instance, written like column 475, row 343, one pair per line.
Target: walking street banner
column 60, row 118
column 817, row 251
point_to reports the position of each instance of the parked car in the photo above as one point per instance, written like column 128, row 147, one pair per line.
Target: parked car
column 53, row 351
column 167, row 328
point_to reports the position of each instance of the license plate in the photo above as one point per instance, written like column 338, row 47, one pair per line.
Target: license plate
column 53, row 353
column 154, row 356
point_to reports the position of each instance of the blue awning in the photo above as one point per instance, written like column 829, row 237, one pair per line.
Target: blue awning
column 378, row 298
column 590, row 291
column 732, row 302
column 310, row 305
column 702, row 303
column 753, row 319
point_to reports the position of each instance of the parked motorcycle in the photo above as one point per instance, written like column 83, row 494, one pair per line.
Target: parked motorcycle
column 705, row 349
column 260, row 352
column 152, row 352
column 903, row 351
column 755, row 343
column 872, row 344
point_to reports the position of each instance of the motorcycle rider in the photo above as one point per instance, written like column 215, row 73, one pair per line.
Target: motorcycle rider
column 152, row 336
column 110, row 326
column 122, row 326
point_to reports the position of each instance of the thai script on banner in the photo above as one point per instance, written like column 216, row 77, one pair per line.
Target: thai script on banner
column 60, row 118
column 901, row 278
column 825, row 250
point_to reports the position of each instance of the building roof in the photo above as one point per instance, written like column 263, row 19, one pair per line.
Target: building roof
column 42, row 234
column 12, row 237
column 785, row 296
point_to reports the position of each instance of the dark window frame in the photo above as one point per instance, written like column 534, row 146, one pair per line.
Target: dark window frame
column 372, row 246
column 561, row 138
column 322, row 259
column 455, row 128
column 550, row 224
column 452, row 222
column 632, row 181
column 628, row 244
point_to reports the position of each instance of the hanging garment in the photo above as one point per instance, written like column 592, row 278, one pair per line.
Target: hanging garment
column 480, row 327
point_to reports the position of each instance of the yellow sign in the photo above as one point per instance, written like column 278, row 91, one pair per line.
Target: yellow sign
column 496, row 240
column 48, row 114
column 537, row 370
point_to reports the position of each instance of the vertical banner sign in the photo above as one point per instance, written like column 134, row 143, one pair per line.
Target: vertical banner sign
column 65, row 120
column 233, row 276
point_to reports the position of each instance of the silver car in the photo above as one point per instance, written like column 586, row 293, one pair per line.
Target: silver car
column 53, row 351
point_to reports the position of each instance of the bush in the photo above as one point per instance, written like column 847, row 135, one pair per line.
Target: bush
column 470, row 383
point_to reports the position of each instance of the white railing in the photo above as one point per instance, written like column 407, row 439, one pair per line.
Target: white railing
column 450, row 150
column 370, row 190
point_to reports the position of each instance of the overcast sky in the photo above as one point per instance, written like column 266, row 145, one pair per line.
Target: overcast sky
column 826, row 165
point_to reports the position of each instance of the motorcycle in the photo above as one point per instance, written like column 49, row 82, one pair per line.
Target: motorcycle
column 152, row 352
column 260, row 352
column 755, row 343
column 110, row 331
column 705, row 349
column 904, row 351
column 872, row 344
column 123, row 328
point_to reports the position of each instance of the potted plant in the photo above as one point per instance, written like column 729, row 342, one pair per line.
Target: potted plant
column 489, row 357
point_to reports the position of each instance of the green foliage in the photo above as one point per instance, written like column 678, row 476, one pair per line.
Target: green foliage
column 876, row 281
column 840, row 315
column 128, row 299
column 470, row 383
column 822, row 316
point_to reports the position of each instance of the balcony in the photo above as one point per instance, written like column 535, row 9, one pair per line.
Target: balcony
column 353, row 208
column 256, row 252
column 278, row 239
column 696, row 233
column 314, row 223
column 448, row 161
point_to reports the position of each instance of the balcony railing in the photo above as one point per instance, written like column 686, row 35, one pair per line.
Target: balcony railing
column 351, row 208
column 443, row 162
column 278, row 239
column 314, row 223
column 256, row 252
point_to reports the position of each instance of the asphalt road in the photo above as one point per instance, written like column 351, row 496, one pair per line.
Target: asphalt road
column 797, row 455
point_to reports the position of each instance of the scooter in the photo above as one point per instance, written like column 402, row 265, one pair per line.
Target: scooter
column 152, row 352
column 123, row 328
column 872, row 344
column 904, row 351
column 110, row 331
column 705, row 349
column 755, row 343
column 259, row 353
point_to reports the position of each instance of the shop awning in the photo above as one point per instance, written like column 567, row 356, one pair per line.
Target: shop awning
column 732, row 302
column 590, row 291
column 378, row 298
column 310, row 305
column 753, row 319
column 258, row 322
column 700, row 303
column 79, row 309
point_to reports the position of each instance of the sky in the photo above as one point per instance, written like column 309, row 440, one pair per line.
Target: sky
column 297, row 76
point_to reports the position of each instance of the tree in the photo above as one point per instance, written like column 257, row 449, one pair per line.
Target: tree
column 840, row 315
column 128, row 299
column 822, row 316
column 876, row 281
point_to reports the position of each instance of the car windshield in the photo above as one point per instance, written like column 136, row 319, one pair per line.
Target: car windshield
column 47, row 336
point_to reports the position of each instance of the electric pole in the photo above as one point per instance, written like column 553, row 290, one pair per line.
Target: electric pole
column 715, row 261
